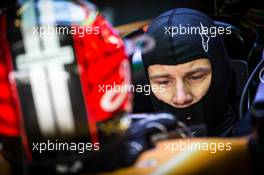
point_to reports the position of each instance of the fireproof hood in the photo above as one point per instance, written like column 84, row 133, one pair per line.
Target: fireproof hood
column 183, row 35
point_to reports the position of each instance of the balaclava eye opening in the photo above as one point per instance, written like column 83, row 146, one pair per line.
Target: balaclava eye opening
column 184, row 35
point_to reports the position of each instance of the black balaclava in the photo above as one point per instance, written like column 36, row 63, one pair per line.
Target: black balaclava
column 213, row 109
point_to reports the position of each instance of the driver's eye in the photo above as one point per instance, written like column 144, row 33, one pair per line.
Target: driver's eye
column 196, row 78
column 163, row 82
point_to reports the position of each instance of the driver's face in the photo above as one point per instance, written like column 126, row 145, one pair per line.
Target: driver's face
column 182, row 84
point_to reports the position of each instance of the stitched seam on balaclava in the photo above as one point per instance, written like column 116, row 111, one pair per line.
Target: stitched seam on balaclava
column 172, row 47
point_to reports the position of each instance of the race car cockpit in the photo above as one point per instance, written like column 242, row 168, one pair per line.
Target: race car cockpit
column 76, row 95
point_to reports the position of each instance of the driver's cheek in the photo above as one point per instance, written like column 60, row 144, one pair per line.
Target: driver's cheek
column 199, row 90
column 165, row 94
